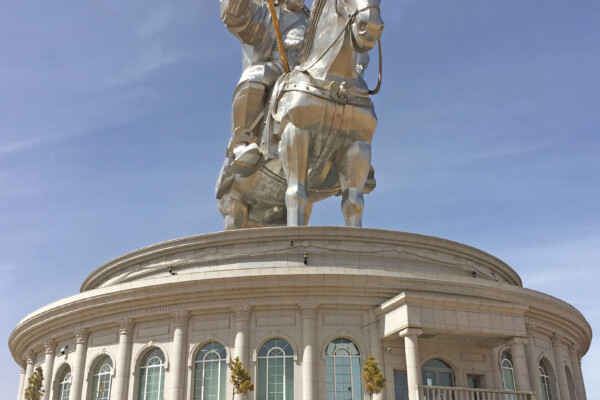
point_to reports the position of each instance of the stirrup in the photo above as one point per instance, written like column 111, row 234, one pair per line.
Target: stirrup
column 247, row 156
column 239, row 139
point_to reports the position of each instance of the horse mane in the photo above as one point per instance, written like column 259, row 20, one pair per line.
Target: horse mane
column 309, row 37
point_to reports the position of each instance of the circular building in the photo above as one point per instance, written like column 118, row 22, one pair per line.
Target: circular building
column 303, row 308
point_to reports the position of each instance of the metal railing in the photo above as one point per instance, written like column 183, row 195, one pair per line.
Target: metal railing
column 461, row 393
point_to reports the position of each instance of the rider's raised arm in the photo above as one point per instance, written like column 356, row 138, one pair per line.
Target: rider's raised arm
column 245, row 19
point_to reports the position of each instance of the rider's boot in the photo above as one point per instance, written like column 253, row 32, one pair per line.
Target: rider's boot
column 247, row 113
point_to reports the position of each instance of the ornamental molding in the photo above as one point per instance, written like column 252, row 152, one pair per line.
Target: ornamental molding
column 210, row 337
column 93, row 359
column 231, row 246
column 125, row 319
column 32, row 333
column 517, row 341
column 553, row 331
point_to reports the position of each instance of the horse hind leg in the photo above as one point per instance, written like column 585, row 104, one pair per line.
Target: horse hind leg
column 353, row 169
column 293, row 151
column 234, row 212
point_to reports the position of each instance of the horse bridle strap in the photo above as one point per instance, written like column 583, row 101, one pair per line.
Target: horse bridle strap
column 350, row 20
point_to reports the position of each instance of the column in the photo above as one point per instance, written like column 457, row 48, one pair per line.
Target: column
column 559, row 366
column 123, row 363
column 517, row 349
column 309, row 351
column 532, row 364
column 577, row 373
column 496, row 369
column 242, row 333
column 30, row 360
column 413, row 362
column 21, row 384
column 50, row 351
column 77, row 373
column 376, row 349
column 178, row 356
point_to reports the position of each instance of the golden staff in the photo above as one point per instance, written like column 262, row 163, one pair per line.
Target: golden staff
column 286, row 66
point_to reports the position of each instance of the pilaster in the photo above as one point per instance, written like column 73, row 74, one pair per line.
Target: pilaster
column 559, row 361
column 496, row 368
column 577, row 373
column 376, row 348
column 532, row 365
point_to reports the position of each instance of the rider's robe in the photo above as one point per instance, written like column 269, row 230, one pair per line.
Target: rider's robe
column 250, row 21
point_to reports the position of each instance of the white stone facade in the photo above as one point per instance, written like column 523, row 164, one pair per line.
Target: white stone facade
column 402, row 297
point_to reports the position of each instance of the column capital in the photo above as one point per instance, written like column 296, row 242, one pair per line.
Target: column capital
column 49, row 346
column 126, row 326
column 29, row 357
column 309, row 310
column 81, row 336
column 180, row 318
column 557, row 339
column 241, row 313
column 530, row 327
column 411, row 332
column 574, row 350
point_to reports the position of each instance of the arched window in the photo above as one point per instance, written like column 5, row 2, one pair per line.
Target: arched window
column 210, row 372
column 275, row 371
column 64, row 385
column 508, row 375
column 102, row 379
column 343, row 371
column 437, row 373
column 151, row 384
column 545, row 382
column 571, row 384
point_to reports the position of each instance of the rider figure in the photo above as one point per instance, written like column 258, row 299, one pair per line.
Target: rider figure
column 250, row 21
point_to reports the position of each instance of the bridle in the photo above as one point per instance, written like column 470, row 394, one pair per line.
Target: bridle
column 349, row 21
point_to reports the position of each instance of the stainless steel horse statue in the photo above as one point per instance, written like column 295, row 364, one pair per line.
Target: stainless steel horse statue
column 317, row 129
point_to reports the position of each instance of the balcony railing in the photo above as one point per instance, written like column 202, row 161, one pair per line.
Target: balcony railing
column 460, row 393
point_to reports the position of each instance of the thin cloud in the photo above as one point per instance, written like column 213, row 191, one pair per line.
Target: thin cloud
column 20, row 145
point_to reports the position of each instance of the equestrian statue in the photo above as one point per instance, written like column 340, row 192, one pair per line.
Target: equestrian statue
column 302, row 117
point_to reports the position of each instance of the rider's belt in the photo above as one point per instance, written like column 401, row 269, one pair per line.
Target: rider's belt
column 332, row 92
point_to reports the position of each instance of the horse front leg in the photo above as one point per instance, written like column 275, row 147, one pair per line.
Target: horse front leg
column 293, row 152
column 234, row 212
column 353, row 169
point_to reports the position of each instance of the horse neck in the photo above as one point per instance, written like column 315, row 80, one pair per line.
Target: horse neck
column 339, row 62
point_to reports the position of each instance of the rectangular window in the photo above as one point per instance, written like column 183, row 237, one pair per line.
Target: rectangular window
column 475, row 381
column 400, row 386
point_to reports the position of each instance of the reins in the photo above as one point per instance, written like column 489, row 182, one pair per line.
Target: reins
column 349, row 21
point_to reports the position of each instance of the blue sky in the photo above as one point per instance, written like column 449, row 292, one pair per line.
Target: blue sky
column 114, row 117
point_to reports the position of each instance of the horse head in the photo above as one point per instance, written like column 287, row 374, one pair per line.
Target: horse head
column 367, row 25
